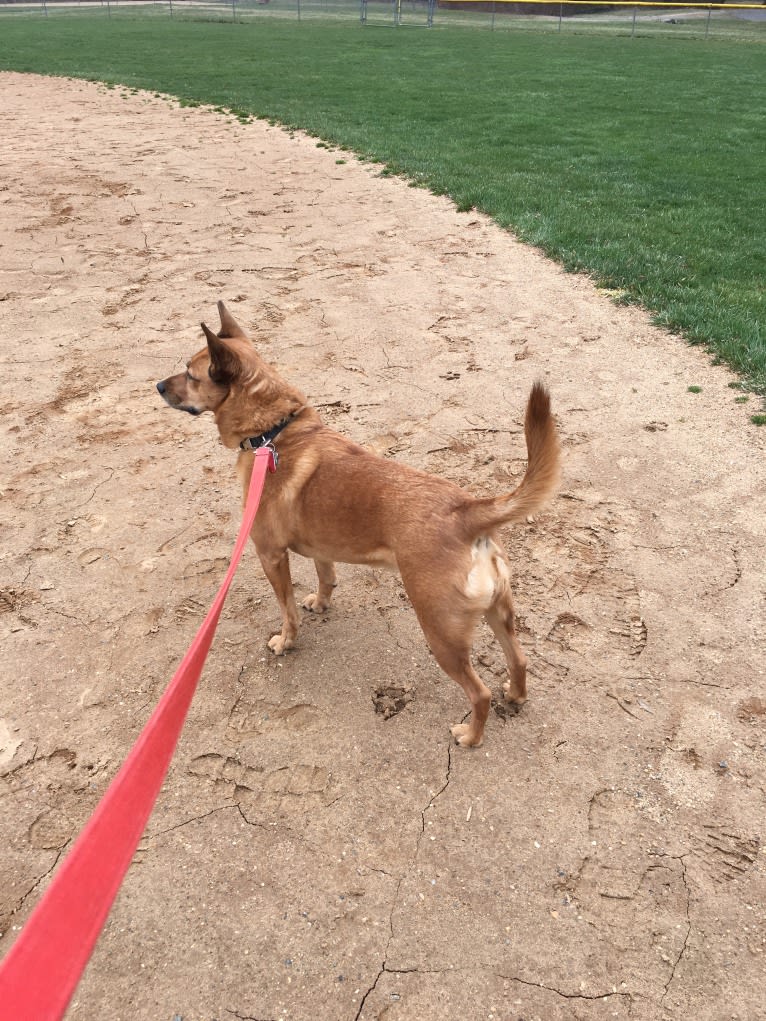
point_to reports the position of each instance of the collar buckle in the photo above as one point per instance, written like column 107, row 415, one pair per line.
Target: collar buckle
column 266, row 442
column 274, row 459
column 261, row 443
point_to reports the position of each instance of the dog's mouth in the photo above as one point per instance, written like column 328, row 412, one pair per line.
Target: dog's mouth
column 172, row 401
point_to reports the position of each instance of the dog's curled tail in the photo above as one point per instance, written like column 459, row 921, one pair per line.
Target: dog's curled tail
column 540, row 479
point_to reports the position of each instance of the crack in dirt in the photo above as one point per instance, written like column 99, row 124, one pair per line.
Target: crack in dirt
column 186, row 822
column 565, row 995
column 247, row 1017
column 682, row 951
column 96, row 488
column 87, row 625
column 437, row 794
column 385, row 970
column 621, row 703
column 737, row 575
column 255, row 825
column 395, row 899
column 25, row 896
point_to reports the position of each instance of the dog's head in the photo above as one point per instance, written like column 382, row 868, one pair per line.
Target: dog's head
column 230, row 379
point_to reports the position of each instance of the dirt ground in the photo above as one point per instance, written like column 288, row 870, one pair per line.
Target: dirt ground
column 321, row 850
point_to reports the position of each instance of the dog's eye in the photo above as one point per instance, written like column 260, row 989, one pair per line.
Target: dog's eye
column 192, row 379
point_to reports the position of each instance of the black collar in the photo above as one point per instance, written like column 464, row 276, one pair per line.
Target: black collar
column 265, row 439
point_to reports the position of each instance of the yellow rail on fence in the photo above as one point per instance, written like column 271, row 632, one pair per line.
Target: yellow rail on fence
column 616, row 3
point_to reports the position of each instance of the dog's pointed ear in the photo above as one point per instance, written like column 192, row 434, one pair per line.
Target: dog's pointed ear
column 225, row 365
column 229, row 325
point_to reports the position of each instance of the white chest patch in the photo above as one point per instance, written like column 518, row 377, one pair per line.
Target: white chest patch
column 488, row 573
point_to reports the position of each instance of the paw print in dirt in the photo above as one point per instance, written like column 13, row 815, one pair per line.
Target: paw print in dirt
column 390, row 699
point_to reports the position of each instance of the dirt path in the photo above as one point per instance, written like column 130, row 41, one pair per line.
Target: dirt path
column 321, row 850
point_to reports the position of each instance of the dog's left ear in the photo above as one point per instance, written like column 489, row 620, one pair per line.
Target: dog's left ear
column 229, row 325
column 224, row 363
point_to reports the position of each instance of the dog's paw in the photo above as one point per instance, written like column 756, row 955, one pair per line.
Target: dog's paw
column 510, row 696
column 463, row 736
column 314, row 603
column 279, row 645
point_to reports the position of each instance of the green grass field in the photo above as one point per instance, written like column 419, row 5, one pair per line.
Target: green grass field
column 639, row 161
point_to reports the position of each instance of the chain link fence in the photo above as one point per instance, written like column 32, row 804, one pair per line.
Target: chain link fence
column 746, row 21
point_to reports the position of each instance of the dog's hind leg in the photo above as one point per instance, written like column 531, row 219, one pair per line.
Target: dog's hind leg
column 454, row 657
column 320, row 600
column 277, row 569
column 501, row 618
column 448, row 619
column 449, row 633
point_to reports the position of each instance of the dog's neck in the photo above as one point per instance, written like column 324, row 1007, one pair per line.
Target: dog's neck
column 265, row 439
column 250, row 412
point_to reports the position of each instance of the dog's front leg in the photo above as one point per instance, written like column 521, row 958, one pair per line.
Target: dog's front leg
column 276, row 566
column 320, row 600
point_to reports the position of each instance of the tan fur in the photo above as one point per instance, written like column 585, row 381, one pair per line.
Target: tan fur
column 333, row 500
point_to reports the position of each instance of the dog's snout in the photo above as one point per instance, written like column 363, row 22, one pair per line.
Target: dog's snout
column 161, row 386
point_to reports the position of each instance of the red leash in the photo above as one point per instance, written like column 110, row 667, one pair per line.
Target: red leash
column 42, row 969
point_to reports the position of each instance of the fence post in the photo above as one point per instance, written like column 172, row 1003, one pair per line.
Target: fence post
column 299, row 10
column 561, row 14
column 707, row 23
column 633, row 29
column 431, row 4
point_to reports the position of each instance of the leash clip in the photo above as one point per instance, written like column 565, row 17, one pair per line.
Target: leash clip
column 273, row 456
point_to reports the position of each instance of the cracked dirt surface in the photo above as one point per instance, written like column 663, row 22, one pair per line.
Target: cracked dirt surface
column 320, row 849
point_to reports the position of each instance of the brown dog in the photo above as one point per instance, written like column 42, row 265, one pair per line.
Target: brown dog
column 332, row 500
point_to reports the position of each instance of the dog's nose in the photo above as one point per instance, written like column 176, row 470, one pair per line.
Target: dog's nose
column 161, row 387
